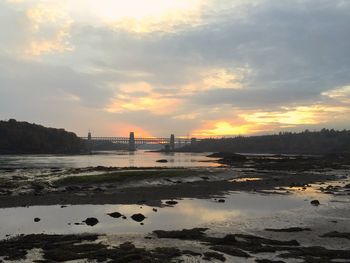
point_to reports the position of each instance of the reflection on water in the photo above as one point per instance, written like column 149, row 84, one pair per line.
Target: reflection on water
column 116, row 158
column 186, row 214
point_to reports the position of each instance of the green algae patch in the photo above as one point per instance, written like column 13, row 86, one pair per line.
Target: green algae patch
column 123, row 176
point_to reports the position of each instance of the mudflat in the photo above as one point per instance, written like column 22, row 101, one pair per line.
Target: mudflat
column 315, row 229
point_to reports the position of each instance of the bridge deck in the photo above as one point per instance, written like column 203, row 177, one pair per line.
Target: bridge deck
column 143, row 140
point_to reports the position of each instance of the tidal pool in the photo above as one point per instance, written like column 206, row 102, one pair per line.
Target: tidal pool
column 188, row 213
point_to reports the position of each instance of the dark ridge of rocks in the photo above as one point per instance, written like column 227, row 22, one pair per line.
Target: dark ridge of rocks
column 266, row 241
column 214, row 255
column 288, row 230
column 115, row 214
column 336, row 234
column 268, row 261
column 57, row 248
column 185, row 234
column 316, row 253
column 138, row 217
column 315, row 202
column 17, row 247
column 238, row 245
column 91, row 221
column 171, row 202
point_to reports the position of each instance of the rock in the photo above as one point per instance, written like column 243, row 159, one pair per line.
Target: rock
column 291, row 229
column 124, row 217
column 315, row 202
column 162, row 161
column 138, row 217
column 37, row 219
column 154, row 209
column 91, row 221
column 171, row 202
column 115, row 214
column 336, row 234
column 221, row 201
column 214, row 255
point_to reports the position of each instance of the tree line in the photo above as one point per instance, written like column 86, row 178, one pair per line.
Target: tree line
column 23, row 137
column 326, row 141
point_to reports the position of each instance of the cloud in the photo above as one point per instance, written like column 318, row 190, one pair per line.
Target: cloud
column 207, row 67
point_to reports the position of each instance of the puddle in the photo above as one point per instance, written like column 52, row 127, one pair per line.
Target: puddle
column 188, row 213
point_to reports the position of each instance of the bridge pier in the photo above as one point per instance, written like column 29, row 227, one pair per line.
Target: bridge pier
column 172, row 143
column 193, row 141
column 132, row 146
column 89, row 143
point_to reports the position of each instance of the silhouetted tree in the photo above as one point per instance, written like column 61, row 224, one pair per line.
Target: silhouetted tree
column 23, row 137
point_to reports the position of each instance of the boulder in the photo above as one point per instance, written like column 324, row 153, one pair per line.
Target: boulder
column 315, row 202
column 91, row 221
column 115, row 214
column 138, row 217
column 162, row 161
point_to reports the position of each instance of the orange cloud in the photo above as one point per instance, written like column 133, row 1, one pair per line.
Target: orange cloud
column 217, row 78
column 151, row 101
column 223, row 128
column 314, row 114
column 341, row 94
column 123, row 129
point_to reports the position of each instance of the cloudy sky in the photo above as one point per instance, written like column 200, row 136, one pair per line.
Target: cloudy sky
column 189, row 67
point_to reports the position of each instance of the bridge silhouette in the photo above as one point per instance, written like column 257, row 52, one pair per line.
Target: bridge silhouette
column 169, row 143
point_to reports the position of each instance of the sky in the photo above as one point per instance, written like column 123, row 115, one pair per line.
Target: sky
column 201, row 68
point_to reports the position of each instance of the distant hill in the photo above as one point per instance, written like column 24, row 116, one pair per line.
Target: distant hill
column 319, row 142
column 26, row 138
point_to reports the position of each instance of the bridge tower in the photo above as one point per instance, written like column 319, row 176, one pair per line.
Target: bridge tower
column 89, row 142
column 193, row 141
column 172, row 142
column 132, row 146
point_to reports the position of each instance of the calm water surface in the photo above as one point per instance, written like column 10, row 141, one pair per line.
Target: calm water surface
column 188, row 213
column 139, row 158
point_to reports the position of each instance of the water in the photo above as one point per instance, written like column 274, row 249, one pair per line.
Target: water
column 188, row 213
column 114, row 158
